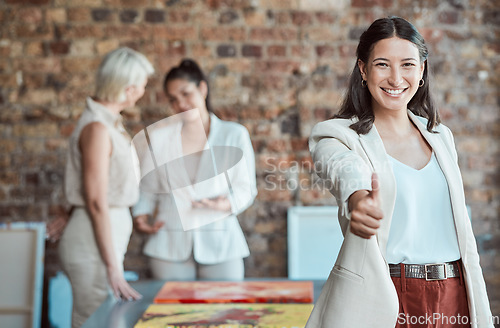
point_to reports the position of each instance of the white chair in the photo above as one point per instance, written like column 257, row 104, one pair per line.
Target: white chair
column 22, row 248
column 314, row 240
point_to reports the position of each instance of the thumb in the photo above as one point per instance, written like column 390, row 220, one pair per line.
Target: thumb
column 375, row 193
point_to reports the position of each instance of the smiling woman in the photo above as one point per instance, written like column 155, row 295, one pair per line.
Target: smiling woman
column 409, row 249
column 392, row 81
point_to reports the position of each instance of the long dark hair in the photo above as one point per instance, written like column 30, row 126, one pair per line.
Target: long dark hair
column 190, row 71
column 357, row 101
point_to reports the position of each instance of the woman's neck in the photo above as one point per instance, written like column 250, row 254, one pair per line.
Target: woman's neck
column 395, row 123
column 193, row 127
column 113, row 107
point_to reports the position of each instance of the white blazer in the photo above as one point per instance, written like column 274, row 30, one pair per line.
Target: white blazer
column 359, row 291
column 213, row 237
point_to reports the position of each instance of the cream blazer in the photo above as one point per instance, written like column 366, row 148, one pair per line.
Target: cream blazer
column 212, row 237
column 359, row 291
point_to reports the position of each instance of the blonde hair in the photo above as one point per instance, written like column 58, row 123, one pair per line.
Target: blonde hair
column 119, row 69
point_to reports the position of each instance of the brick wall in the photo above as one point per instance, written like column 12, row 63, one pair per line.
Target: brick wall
column 276, row 66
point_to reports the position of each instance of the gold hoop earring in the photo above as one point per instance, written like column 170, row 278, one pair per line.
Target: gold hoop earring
column 421, row 83
column 363, row 83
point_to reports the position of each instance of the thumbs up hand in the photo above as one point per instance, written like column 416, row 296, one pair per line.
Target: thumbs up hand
column 365, row 210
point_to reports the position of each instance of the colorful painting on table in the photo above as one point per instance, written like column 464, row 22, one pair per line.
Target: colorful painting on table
column 235, row 292
column 225, row 316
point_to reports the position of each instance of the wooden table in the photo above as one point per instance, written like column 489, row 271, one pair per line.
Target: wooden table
column 115, row 314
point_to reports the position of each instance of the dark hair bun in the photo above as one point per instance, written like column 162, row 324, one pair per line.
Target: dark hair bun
column 190, row 65
column 189, row 70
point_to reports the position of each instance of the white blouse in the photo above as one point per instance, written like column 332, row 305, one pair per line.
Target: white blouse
column 422, row 229
column 122, row 190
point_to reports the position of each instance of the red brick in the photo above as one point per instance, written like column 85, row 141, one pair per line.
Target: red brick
column 276, row 51
column 326, row 18
column 66, row 129
column 299, row 144
column 223, row 33
column 316, row 196
column 56, row 15
column 272, row 82
column 200, row 50
column 325, row 51
column 274, row 162
column 129, row 32
column 134, row 3
column 27, row 2
column 70, row 96
column 302, row 51
column 7, row 145
column 59, row 47
column 30, row 15
column 275, row 192
column 80, row 31
column 174, row 32
column 38, row 65
column 322, row 114
column 225, row 50
column 214, row 4
column 226, row 113
column 254, row 17
column 34, row 31
column 322, row 34
column 284, row 66
column 347, row 51
column 278, row 34
column 79, row 15
column 128, row 16
column 228, row 17
column 372, row 3
column 279, row 4
column 302, row 18
column 179, row 16
column 449, row 17
column 279, row 18
column 79, row 65
column 277, row 146
column 154, row 16
column 43, row 129
column 251, row 50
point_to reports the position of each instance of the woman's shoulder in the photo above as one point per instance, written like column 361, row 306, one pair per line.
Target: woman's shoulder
column 228, row 127
column 439, row 127
column 333, row 127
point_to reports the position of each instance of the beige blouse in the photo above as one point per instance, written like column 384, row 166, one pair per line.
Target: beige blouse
column 123, row 188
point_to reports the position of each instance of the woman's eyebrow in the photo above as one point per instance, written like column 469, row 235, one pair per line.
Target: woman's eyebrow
column 385, row 59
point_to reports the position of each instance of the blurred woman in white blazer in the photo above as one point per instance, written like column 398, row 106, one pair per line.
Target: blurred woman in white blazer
column 409, row 255
column 211, row 179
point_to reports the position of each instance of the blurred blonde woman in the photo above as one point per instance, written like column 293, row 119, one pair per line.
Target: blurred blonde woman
column 100, row 184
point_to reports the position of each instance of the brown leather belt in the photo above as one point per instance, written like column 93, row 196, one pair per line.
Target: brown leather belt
column 439, row 271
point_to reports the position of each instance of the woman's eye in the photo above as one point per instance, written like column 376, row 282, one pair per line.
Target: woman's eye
column 381, row 64
column 408, row 64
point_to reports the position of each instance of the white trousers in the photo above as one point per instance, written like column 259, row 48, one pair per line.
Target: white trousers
column 82, row 262
column 191, row 270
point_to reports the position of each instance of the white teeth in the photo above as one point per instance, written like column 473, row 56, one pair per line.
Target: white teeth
column 394, row 92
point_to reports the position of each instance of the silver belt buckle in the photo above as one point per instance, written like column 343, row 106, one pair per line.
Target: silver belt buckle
column 438, row 265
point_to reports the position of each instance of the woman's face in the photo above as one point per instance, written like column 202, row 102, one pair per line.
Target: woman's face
column 135, row 92
column 392, row 73
column 184, row 95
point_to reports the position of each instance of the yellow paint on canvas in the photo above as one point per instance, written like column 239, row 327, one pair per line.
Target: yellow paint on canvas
column 225, row 316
